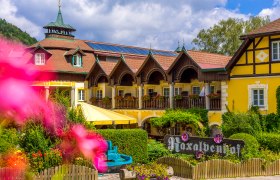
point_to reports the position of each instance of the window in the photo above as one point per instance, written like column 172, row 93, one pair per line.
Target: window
column 150, row 92
column 196, row 90
column 165, row 92
column 77, row 60
column 276, row 50
column 258, row 97
column 177, row 91
column 99, row 94
column 81, row 95
column 121, row 93
column 40, row 59
column 212, row 89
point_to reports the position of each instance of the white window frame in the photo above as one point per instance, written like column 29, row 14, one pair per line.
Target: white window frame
column 251, row 89
column 196, row 87
column 166, row 89
column 40, row 59
column 177, row 91
column 78, row 59
column 277, row 51
column 81, row 95
column 99, row 94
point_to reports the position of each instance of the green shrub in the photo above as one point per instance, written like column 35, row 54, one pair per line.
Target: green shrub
column 9, row 138
column 203, row 113
column 241, row 122
column 34, row 138
column 269, row 141
column 251, row 148
column 271, row 122
column 132, row 142
column 40, row 161
column 156, row 150
column 62, row 97
column 278, row 100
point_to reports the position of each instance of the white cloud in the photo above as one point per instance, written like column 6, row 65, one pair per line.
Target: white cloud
column 9, row 13
column 160, row 23
column 273, row 12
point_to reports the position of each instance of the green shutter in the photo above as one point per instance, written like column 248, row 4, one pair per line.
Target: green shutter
column 81, row 59
column 73, row 60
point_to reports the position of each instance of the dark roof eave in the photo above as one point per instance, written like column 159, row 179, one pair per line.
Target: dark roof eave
column 243, row 37
column 214, row 70
column 68, row 72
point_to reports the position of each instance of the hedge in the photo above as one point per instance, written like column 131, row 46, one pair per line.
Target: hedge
column 269, row 141
column 131, row 142
column 251, row 144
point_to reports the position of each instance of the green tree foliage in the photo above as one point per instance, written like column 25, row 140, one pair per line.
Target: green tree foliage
column 12, row 32
column 172, row 117
column 269, row 141
column 223, row 38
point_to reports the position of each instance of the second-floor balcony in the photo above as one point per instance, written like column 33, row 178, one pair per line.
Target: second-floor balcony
column 159, row 102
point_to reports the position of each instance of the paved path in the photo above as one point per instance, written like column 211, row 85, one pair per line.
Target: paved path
column 116, row 177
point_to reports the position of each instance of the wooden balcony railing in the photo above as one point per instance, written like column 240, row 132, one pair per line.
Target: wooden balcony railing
column 156, row 103
column 107, row 104
column 187, row 102
column 132, row 103
column 215, row 104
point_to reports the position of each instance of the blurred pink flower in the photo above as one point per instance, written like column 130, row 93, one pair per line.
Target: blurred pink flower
column 90, row 144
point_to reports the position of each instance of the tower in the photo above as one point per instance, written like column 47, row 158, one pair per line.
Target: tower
column 58, row 29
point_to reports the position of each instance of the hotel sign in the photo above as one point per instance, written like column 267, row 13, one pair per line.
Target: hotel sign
column 199, row 146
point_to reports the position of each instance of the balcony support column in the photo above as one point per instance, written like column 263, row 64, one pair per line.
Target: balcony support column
column 113, row 97
column 171, row 95
column 47, row 92
column 140, row 92
column 207, row 99
column 73, row 96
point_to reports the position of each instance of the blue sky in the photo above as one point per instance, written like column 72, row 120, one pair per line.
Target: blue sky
column 161, row 23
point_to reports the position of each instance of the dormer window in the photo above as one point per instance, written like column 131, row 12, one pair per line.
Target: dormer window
column 77, row 60
column 40, row 59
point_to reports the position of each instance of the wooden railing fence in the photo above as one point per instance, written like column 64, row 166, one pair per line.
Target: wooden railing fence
column 220, row 168
column 65, row 172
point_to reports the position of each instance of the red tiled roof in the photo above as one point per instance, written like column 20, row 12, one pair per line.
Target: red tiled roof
column 165, row 61
column 63, row 43
column 273, row 26
column 209, row 60
column 57, row 62
column 107, row 66
column 134, row 63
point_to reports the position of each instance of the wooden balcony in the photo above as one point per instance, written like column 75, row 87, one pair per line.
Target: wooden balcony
column 190, row 102
column 127, row 103
column 156, row 103
column 106, row 104
column 215, row 104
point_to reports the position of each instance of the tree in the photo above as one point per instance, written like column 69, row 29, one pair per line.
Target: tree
column 12, row 32
column 223, row 38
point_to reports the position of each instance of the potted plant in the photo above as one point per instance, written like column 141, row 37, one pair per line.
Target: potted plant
column 106, row 100
column 146, row 98
column 178, row 97
column 214, row 96
column 93, row 100
column 194, row 96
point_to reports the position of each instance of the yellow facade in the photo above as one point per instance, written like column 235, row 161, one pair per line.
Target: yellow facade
column 238, row 92
column 253, row 70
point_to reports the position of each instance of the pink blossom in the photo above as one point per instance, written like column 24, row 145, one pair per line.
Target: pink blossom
column 90, row 144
